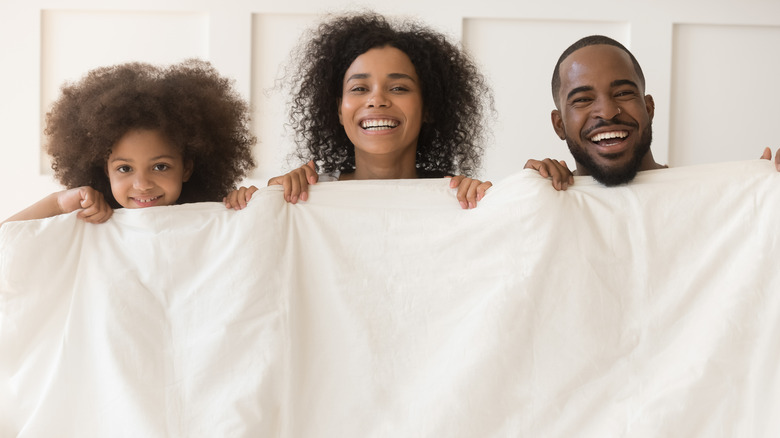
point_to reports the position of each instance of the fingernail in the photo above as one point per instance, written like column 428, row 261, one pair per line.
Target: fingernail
column 463, row 205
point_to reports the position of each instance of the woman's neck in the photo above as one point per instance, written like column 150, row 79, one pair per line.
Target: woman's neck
column 383, row 168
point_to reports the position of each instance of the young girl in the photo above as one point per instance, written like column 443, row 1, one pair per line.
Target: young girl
column 135, row 135
column 375, row 100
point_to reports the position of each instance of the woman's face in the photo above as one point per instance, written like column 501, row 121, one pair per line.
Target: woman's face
column 381, row 104
column 146, row 170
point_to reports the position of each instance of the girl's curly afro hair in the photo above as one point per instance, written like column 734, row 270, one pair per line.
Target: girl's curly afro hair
column 189, row 103
column 455, row 94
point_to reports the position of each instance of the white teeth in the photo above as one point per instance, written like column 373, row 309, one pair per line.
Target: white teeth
column 147, row 200
column 378, row 124
column 608, row 135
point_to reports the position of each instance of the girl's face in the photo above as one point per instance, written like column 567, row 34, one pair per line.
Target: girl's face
column 381, row 106
column 146, row 170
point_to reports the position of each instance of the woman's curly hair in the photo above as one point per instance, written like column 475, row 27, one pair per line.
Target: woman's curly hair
column 195, row 108
column 455, row 94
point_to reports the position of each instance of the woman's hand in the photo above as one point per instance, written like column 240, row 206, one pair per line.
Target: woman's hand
column 296, row 183
column 470, row 191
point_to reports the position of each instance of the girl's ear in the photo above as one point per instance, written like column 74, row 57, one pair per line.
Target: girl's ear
column 188, row 167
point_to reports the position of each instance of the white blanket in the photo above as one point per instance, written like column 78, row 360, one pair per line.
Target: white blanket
column 381, row 309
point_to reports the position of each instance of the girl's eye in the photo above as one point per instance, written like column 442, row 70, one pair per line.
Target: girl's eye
column 124, row 169
column 161, row 167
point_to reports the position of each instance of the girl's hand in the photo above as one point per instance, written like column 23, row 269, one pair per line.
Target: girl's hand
column 470, row 191
column 561, row 176
column 237, row 199
column 94, row 208
column 767, row 155
column 296, row 183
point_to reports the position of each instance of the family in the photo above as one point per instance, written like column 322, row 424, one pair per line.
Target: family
column 372, row 99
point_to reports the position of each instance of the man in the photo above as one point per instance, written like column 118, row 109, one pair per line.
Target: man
column 603, row 113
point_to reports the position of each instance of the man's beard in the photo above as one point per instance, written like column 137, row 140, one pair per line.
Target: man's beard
column 613, row 176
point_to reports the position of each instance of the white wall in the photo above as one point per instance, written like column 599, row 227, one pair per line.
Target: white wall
column 709, row 64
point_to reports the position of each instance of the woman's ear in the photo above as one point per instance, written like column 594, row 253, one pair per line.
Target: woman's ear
column 338, row 106
column 188, row 168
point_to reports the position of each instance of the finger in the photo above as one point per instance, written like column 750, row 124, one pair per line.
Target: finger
column 297, row 179
column 777, row 160
column 563, row 175
column 455, row 180
column 471, row 195
column 482, row 188
column 559, row 174
column 249, row 192
column 571, row 175
column 303, row 180
column 532, row 164
column 463, row 190
column 102, row 215
column 287, row 183
column 87, row 198
column 767, row 155
column 230, row 200
column 311, row 172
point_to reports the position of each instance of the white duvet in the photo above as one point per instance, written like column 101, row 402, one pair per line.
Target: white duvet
column 381, row 309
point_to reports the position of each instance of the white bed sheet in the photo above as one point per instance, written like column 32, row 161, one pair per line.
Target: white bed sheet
column 383, row 309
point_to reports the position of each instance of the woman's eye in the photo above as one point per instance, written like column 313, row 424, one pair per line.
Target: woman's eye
column 399, row 89
column 358, row 89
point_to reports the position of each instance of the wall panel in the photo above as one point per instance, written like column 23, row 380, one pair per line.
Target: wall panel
column 724, row 92
column 709, row 66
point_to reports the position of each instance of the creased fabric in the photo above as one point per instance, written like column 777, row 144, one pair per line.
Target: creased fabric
column 381, row 309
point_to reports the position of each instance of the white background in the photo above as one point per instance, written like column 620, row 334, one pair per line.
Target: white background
column 711, row 66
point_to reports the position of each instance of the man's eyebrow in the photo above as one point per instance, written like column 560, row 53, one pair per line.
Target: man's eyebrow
column 620, row 82
column 578, row 90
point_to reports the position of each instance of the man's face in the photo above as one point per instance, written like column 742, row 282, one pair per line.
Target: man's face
column 603, row 114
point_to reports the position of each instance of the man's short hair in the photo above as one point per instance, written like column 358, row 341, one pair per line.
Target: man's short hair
column 591, row 40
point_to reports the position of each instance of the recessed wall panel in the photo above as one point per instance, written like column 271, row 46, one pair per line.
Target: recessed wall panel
column 724, row 93
column 518, row 57
column 273, row 38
